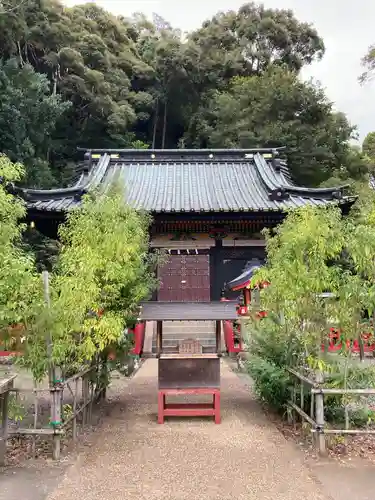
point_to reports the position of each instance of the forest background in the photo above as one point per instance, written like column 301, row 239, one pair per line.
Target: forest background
column 82, row 77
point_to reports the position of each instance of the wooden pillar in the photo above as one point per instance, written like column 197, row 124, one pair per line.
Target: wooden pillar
column 85, row 395
column 217, row 407
column 56, row 393
column 361, row 348
column 5, row 387
column 319, row 414
column 159, row 337
column 4, row 426
column 246, row 294
column 161, row 407
column 218, row 337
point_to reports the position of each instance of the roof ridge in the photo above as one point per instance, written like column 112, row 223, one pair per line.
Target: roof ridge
column 283, row 189
column 188, row 151
column 93, row 178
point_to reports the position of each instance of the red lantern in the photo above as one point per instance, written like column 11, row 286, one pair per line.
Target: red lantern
column 242, row 310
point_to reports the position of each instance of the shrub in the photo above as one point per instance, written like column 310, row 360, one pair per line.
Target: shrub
column 20, row 289
column 104, row 265
column 271, row 382
column 314, row 251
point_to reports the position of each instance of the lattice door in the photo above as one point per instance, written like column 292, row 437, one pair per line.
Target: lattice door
column 185, row 278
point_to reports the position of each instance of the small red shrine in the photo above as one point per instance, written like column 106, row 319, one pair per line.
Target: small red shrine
column 247, row 296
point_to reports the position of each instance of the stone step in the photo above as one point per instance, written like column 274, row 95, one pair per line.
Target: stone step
column 189, row 323
column 172, row 349
column 176, row 331
column 177, row 341
column 182, row 335
column 187, row 329
column 196, row 333
column 202, row 340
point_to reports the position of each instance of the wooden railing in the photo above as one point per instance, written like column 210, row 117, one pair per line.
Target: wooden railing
column 5, row 387
column 314, row 416
column 82, row 389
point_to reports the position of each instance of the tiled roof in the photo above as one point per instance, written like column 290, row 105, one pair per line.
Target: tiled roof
column 188, row 181
column 244, row 278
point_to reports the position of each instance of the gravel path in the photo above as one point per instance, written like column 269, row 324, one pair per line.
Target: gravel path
column 133, row 457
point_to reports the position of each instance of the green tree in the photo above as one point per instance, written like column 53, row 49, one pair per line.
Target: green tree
column 368, row 62
column 90, row 60
column 368, row 146
column 249, row 41
column 312, row 252
column 131, row 80
column 354, row 170
column 8, row 7
column 161, row 47
column 19, row 283
column 277, row 109
column 28, row 116
column 103, row 265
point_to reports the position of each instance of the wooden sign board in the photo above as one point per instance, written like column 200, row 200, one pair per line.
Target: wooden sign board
column 190, row 346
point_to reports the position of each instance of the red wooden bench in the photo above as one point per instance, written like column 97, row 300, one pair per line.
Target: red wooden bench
column 190, row 350
column 188, row 409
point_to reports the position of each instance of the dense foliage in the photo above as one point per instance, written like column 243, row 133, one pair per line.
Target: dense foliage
column 102, row 80
column 28, row 114
column 103, row 272
column 18, row 279
column 313, row 252
column 277, row 109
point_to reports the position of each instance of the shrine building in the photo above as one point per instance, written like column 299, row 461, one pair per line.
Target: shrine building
column 208, row 208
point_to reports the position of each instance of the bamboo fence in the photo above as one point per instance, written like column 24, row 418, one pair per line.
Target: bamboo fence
column 5, row 386
column 314, row 416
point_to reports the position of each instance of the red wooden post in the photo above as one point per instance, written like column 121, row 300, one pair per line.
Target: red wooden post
column 139, row 338
column 161, row 406
column 217, row 407
column 246, row 297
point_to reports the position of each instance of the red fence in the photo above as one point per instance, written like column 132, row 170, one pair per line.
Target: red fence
column 336, row 342
column 234, row 339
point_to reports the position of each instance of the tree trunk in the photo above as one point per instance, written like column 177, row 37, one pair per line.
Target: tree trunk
column 54, row 79
column 164, row 124
column 20, row 54
column 156, row 119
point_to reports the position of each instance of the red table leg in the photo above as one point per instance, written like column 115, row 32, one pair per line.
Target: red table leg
column 189, row 409
column 161, row 406
column 217, row 407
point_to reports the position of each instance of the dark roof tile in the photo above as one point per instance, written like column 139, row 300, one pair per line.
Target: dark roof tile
column 189, row 180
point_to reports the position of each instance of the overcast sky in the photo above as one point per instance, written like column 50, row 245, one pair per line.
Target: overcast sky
column 346, row 26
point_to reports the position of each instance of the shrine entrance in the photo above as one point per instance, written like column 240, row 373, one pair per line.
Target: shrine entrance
column 185, row 278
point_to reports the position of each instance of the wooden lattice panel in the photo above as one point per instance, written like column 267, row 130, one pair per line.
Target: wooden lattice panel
column 185, row 278
column 190, row 346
